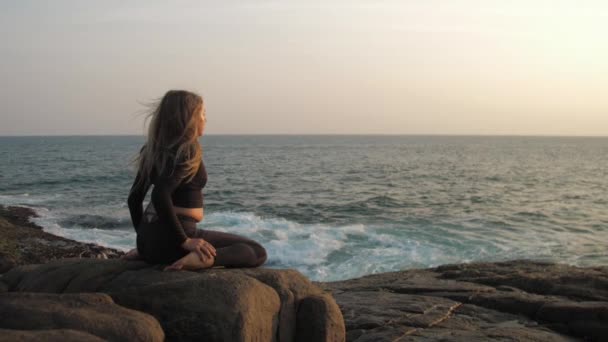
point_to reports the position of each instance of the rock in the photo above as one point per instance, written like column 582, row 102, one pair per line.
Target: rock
column 578, row 283
column 6, row 263
column 293, row 290
column 53, row 335
column 582, row 318
column 92, row 313
column 497, row 333
column 515, row 300
column 23, row 242
column 213, row 305
column 412, row 281
column 523, row 303
column 319, row 319
column 19, row 216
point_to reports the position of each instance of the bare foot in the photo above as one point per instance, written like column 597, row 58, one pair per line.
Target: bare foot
column 131, row 255
column 173, row 267
column 190, row 262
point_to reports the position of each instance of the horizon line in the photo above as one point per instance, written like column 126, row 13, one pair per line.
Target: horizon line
column 323, row 134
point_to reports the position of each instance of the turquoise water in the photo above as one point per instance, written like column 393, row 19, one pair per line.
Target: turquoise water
column 337, row 207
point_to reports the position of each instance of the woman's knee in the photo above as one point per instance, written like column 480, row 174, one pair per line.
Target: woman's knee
column 260, row 252
column 255, row 255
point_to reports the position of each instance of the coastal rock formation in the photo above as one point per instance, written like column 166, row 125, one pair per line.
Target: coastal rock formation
column 213, row 305
column 516, row 300
column 23, row 242
column 84, row 316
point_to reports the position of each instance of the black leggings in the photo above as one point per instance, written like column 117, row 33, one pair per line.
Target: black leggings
column 157, row 244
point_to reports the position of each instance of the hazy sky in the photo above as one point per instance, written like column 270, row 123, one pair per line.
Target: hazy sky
column 289, row 67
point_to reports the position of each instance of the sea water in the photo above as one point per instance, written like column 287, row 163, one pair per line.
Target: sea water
column 338, row 207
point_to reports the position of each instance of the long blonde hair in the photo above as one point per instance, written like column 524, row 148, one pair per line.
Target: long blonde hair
column 172, row 141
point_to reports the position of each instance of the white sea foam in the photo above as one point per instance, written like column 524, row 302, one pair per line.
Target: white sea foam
column 25, row 199
column 290, row 244
column 327, row 252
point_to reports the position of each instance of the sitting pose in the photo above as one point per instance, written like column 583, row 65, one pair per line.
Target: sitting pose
column 171, row 160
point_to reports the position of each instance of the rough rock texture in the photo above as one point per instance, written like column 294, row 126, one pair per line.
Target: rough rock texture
column 68, row 315
column 517, row 300
column 318, row 318
column 213, row 305
column 23, row 242
column 53, row 335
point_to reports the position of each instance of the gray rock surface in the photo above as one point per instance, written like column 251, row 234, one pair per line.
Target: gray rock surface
column 518, row 300
column 95, row 314
column 213, row 305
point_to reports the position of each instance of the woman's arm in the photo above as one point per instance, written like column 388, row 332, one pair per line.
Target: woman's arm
column 136, row 199
column 161, row 198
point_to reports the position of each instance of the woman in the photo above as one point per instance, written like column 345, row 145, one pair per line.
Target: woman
column 172, row 161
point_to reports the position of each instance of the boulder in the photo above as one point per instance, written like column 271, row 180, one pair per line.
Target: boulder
column 69, row 316
column 215, row 304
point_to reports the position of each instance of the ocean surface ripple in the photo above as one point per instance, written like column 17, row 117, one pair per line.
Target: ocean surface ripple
column 337, row 207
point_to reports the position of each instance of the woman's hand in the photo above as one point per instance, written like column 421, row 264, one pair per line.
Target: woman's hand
column 203, row 248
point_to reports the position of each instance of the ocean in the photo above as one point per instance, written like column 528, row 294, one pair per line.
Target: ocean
column 338, row 207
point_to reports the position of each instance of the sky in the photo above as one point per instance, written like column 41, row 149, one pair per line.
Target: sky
column 308, row 67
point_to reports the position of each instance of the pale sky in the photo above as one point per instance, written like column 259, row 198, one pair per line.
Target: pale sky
column 306, row 67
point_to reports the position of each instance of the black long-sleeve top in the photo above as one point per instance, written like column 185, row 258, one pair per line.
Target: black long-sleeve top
column 169, row 190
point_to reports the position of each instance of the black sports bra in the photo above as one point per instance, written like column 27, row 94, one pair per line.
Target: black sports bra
column 189, row 195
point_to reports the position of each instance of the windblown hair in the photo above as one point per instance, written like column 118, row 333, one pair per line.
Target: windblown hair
column 172, row 142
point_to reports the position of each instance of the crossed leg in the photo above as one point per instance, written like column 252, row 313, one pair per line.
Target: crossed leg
column 232, row 250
